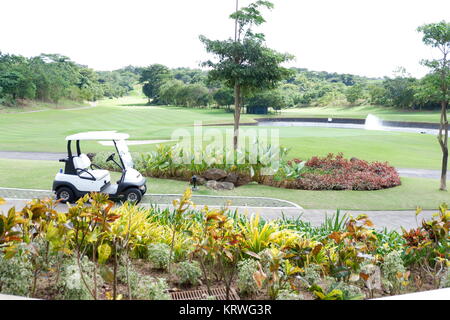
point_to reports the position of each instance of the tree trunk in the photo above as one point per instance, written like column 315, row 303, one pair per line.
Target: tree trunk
column 237, row 114
column 443, row 141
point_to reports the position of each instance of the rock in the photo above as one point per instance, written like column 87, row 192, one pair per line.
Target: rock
column 213, row 184
column 352, row 159
column 214, row 174
column 226, row 185
column 201, row 181
column 232, row 177
column 243, row 180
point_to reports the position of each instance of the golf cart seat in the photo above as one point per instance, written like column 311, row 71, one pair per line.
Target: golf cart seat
column 82, row 164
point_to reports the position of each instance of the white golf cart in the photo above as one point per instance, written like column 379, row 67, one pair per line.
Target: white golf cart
column 81, row 177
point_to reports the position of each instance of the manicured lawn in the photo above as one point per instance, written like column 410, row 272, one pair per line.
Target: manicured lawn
column 38, row 105
column 45, row 131
column 412, row 192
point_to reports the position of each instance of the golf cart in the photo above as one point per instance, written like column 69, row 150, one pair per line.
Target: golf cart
column 81, row 177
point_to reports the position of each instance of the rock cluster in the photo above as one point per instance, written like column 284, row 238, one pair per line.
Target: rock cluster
column 219, row 179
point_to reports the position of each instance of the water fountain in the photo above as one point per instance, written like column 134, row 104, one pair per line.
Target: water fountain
column 373, row 123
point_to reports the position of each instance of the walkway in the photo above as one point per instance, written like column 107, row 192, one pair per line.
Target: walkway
column 268, row 208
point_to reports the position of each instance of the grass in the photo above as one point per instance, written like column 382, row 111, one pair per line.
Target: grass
column 412, row 193
column 45, row 131
column 32, row 105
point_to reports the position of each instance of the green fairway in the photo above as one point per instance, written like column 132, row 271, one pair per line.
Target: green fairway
column 45, row 132
column 412, row 192
column 33, row 106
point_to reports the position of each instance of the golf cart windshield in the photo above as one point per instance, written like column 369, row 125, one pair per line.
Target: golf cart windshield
column 124, row 154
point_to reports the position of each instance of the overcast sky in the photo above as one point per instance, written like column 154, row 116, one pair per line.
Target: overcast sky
column 365, row 37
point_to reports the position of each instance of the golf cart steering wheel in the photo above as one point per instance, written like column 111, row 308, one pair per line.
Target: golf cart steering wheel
column 111, row 157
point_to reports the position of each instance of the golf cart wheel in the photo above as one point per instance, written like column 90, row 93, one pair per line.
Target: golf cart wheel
column 145, row 189
column 65, row 194
column 133, row 195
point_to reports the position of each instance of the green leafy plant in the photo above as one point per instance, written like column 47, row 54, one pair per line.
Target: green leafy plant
column 428, row 245
column 289, row 295
column 152, row 289
column 15, row 275
column 395, row 272
column 71, row 285
column 245, row 279
column 219, row 245
column 159, row 255
column 188, row 272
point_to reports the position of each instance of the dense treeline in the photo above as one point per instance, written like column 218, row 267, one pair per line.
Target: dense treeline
column 191, row 88
column 53, row 77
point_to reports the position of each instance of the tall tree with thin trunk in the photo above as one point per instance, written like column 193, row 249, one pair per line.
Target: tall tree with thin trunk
column 437, row 35
column 244, row 63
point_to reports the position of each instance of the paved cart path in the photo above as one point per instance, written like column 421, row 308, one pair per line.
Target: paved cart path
column 272, row 209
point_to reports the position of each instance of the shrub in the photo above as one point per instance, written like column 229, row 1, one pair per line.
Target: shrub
column 312, row 274
column 188, row 272
column 393, row 270
column 159, row 255
column 330, row 289
column 332, row 172
column 152, row 289
column 288, row 295
column 445, row 279
column 336, row 173
column 15, row 276
column 245, row 281
column 133, row 277
column 71, row 284
column 350, row 292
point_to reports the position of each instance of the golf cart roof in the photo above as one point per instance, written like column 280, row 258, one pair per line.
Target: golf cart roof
column 99, row 135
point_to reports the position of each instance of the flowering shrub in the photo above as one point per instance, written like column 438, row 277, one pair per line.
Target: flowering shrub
column 337, row 173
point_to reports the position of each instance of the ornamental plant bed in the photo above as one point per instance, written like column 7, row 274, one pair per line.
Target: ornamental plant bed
column 98, row 251
column 332, row 172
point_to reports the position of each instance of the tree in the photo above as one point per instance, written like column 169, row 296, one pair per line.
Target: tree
column 354, row 93
column 437, row 35
column 274, row 99
column 245, row 63
column 169, row 92
column 224, row 97
column 377, row 94
column 153, row 77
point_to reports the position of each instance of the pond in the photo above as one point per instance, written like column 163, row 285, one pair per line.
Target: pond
column 370, row 123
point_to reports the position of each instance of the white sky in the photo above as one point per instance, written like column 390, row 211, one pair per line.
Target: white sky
column 365, row 37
